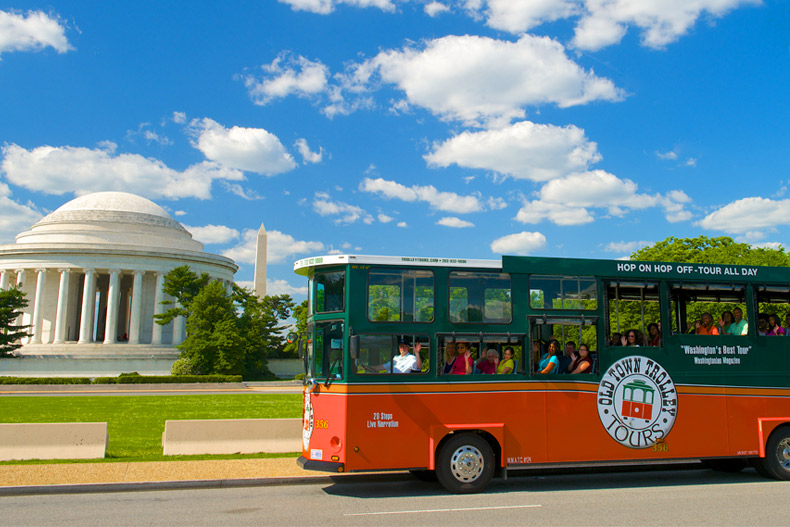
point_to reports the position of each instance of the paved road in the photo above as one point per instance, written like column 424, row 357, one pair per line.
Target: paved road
column 688, row 497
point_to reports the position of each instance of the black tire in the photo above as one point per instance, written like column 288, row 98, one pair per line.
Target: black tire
column 726, row 465
column 777, row 454
column 424, row 475
column 465, row 464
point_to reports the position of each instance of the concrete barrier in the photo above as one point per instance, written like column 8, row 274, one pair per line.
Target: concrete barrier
column 231, row 436
column 53, row 441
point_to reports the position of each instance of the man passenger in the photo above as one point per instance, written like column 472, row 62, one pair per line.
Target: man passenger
column 404, row 362
column 739, row 326
column 569, row 357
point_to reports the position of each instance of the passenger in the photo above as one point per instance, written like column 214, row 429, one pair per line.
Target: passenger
column 507, row 364
column 706, row 326
column 583, row 362
column 654, row 334
column 775, row 326
column 404, row 362
column 787, row 324
column 632, row 337
column 616, row 339
column 489, row 363
column 449, row 357
column 762, row 324
column 693, row 327
column 551, row 360
column 537, row 349
column 569, row 357
column 463, row 364
column 739, row 326
column 725, row 322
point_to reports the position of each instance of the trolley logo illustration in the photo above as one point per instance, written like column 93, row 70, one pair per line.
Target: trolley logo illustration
column 637, row 402
column 309, row 419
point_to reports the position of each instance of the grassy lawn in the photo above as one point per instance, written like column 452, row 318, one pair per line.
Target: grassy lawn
column 136, row 423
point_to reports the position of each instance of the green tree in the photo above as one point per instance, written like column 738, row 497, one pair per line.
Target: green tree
column 227, row 333
column 12, row 301
column 722, row 250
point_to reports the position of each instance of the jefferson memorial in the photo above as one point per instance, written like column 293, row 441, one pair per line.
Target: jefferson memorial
column 92, row 272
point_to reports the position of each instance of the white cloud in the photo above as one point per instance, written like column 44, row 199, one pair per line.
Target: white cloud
column 280, row 247
column 383, row 218
column 524, row 150
column 566, row 201
column 213, row 233
column 662, row 22
column 14, row 217
column 346, row 214
column 756, row 215
column 433, row 9
column 671, row 155
column 250, row 149
column 477, row 79
column 179, row 117
column 456, row 223
column 243, row 193
column 444, row 201
column 324, row 7
column 558, row 213
column 521, row 243
column 308, row 156
column 287, row 75
column 66, row 169
column 622, row 247
column 282, row 287
column 402, row 224
column 518, row 17
column 33, row 31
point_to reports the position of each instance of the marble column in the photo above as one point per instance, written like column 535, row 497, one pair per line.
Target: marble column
column 113, row 298
column 178, row 329
column 137, row 307
column 4, row 277
column 20, row 321
column 156, row 332
column 38, row 306
column 88, row 301
column 62, row 310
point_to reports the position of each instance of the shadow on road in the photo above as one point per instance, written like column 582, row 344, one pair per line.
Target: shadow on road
column 544, row 480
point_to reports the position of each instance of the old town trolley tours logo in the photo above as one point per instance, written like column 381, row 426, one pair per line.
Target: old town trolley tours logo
column 637, row 402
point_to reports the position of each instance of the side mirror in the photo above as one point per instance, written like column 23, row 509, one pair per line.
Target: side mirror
column 291, row 338
column 354, row 346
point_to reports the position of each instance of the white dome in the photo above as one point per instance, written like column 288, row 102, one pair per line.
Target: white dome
column 111, row 218
column 115, row 201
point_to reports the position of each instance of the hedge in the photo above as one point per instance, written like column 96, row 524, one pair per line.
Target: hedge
column 123, row 379
column 44, row 380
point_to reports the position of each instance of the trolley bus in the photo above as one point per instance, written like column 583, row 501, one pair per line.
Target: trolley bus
column 384, row 390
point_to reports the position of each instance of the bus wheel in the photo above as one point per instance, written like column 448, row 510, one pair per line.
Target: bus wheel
column 465, row 464
column 777, row 453
column 726, row 465
column 424, row 475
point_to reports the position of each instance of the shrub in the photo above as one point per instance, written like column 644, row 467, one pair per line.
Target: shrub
column 44, row 380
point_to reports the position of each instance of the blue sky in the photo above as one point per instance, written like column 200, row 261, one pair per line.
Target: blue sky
column 452, row 128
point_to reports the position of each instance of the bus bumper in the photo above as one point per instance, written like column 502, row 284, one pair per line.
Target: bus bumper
column 321, row 466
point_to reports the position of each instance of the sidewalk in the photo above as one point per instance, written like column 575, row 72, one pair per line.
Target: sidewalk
column 85, row 477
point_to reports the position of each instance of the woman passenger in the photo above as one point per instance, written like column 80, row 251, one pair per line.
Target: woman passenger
column 449, row 357
column 464, row 363
column 654, row 335
column 775, row 326
column 551, row 361
column 632, row 338
column 725, row 322
column 507, row 364
column 582, row 363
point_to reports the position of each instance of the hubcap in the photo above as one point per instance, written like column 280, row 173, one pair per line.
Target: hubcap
column 783, row 453
column 467, row 464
